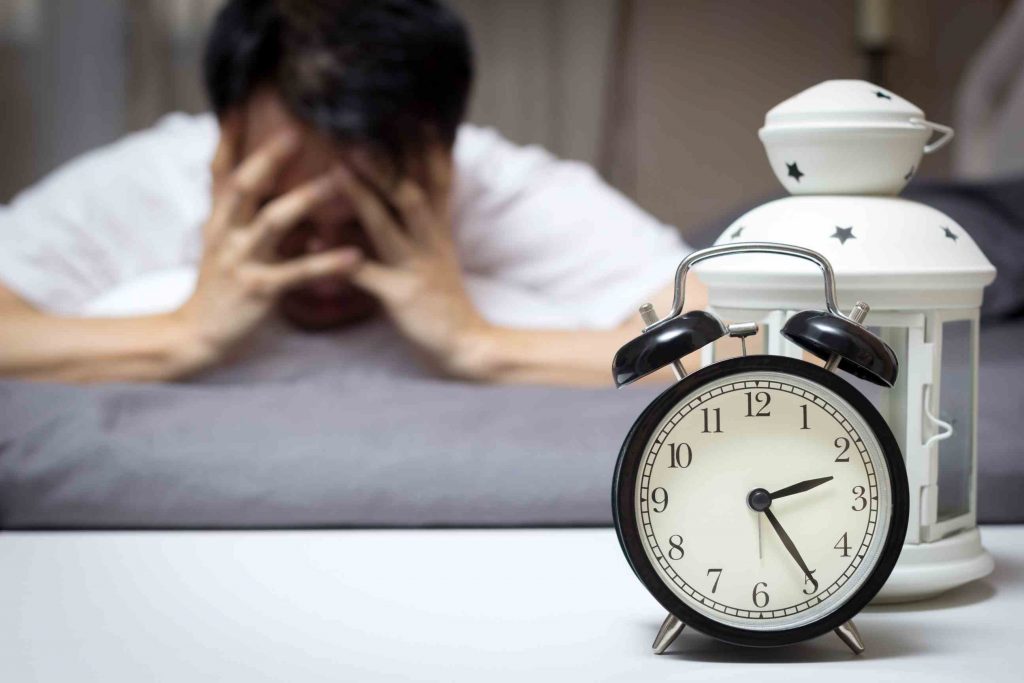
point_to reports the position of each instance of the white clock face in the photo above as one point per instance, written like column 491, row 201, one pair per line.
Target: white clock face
column 805, row 553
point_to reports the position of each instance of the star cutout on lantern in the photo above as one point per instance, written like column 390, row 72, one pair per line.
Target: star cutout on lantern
column 910, row 173
column 882, row 95
column 950, row 234
column 793, row 171
column 843, row 234
column 738, row 232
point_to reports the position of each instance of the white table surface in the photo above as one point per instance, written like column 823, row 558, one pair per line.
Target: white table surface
column 483, row 605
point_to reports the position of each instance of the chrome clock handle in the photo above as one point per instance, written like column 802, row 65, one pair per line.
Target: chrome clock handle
column 679, row 293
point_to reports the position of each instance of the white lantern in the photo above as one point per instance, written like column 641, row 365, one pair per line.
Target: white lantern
column 923, row 277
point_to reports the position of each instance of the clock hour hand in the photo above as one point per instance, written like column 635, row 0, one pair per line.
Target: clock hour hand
column 799, row 488
column 788, row 542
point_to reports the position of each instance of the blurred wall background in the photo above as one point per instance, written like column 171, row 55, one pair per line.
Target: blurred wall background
column 664, row 96
column 702, row 74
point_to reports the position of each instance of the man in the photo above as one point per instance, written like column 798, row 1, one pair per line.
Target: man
column 341, row 184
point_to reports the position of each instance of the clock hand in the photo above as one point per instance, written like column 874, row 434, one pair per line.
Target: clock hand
column 788, row 542
column 757, row 524
column 799, row 488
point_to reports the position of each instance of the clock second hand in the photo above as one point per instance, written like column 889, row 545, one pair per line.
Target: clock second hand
column 760, row 554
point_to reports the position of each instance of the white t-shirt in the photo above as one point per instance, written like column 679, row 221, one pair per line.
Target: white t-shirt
column 542, row 242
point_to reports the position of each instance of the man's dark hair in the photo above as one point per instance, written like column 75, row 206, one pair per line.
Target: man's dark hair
column 392, row 74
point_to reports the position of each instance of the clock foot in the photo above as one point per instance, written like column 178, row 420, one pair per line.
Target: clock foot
column 848, row 633
column 669, row 631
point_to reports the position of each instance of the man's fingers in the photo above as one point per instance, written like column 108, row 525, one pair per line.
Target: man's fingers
column 278, row 277
column 226, row 156
column 254, row 178
column 416, row 212
column 280, row 215
column 387, row 284
column 222, row 165
column 374, row 216
column 441, row 172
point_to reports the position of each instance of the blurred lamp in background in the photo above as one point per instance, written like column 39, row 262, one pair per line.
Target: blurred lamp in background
column 874, row 35
column 841, row 148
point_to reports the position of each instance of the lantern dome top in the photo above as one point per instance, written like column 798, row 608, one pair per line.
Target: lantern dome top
column 893, row 253
column 843, row 102
column 848, row 137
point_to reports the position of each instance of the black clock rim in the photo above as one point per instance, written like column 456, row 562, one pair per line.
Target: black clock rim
column 624, row 486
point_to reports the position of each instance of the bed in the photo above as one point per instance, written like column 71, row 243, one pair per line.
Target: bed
column 348, row 433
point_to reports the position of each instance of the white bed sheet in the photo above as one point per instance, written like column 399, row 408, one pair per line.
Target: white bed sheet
column 465, row 605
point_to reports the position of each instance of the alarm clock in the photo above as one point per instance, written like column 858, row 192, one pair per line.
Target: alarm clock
column 762, row 500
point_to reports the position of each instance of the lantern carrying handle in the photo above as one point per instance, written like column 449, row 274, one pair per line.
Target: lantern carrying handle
column 679, row 295
column 944, row 429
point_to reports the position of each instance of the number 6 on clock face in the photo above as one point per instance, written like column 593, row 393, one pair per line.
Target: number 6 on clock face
column 759, row 500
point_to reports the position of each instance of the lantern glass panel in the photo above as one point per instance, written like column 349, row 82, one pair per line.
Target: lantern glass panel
column 956, row 407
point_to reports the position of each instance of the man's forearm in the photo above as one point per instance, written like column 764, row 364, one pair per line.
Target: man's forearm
column 34, row 345
column 571, row 357
column 567, row 357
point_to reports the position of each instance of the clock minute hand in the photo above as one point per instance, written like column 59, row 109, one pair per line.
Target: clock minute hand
column 799, row 488
column 788, row 542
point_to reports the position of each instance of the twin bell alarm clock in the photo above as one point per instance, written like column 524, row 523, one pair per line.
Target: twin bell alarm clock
column 762, row 500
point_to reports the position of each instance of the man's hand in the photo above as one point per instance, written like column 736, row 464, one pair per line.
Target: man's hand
column 239, row 280
column 418, row 279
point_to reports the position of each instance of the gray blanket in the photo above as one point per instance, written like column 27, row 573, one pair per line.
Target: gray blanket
column 310, row 431
column 319, row 431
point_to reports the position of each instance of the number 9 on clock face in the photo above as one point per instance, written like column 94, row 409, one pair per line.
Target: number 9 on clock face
column 761, row 500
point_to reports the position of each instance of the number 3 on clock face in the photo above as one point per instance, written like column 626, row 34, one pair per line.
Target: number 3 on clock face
column 761, row 500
